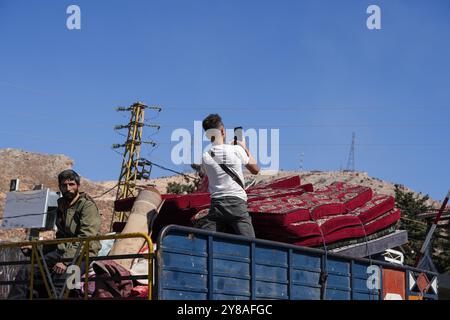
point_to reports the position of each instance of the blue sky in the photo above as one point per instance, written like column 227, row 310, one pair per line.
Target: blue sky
column 311, row 68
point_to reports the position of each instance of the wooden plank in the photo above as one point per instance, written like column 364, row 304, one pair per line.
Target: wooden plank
column 375, row 246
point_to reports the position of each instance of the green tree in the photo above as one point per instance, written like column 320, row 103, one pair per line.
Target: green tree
column 411, row 205
column 179, row 188
column 183, row 188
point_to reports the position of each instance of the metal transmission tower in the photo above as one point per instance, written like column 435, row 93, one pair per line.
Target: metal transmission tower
column 302, row 159
column 132, row 168
column 351, row 155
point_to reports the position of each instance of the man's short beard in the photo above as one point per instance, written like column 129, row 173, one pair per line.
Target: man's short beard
column 70, row 195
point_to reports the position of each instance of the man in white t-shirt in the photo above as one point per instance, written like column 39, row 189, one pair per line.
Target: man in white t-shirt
column 223, row 166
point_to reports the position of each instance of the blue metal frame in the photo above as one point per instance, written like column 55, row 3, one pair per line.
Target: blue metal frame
column 198, row 264
column 359, row 288
column 381, row 283
column 210, row 266
column 290, row 274
column 253, row 272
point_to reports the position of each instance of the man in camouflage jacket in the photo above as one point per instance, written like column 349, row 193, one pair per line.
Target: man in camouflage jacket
column 77, row 216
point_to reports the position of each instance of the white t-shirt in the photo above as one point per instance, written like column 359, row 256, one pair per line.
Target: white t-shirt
column 220, row 183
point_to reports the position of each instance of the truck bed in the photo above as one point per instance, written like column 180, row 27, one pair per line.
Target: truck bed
column 196, row 264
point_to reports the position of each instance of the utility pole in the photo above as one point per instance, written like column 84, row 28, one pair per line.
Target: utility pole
column 351, row 155
column 302, row 158
column 132, row 169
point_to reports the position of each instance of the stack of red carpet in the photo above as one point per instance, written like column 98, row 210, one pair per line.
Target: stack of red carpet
column 309, row 217
column 287, row 211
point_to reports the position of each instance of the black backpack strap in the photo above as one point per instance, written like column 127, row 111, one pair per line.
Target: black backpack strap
column 228, row 171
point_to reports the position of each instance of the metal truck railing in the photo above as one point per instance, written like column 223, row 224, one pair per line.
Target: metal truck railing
column 197, row 264
column 82, row 256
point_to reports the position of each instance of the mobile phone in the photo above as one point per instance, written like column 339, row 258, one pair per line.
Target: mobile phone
column 238, row 134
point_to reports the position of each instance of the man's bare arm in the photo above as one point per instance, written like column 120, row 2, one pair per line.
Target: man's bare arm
column 251, row 166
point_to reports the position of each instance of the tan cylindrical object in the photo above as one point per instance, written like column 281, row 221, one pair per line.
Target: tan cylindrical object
column 145, row 206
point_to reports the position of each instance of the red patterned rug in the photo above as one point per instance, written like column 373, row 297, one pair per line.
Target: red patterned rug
column 286, row 182
column 289, row 209
column 261, row 194
column 308, row 233
column 389, row 218
column 374, row 208
column 291, row 232
column 284, row 210
column 329, row 225
column 346, row 233
column 352, row 196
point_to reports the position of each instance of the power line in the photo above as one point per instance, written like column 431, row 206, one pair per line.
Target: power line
column 86, row 143
column 41, row 214
column 109, row 190
column 414, row 221
column 345, row 144
column 321, row 125
column 307, row 108
column 23, row 215
column 150, row 163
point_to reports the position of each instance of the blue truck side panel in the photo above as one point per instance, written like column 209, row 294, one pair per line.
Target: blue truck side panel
column 195, row 264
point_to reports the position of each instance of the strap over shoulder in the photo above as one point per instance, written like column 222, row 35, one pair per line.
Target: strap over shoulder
column 228, row 171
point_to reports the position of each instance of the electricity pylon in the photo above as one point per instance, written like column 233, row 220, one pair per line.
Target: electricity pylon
column 302, row 158
column 351, row 155
column 129, row 172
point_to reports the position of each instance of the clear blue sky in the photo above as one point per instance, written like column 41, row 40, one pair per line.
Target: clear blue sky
column 310, row 68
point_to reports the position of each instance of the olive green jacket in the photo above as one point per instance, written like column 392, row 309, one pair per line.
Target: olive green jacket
column 81, row 219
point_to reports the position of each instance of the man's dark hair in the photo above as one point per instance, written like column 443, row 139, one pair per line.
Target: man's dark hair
column 68, row 174
column 213, row 121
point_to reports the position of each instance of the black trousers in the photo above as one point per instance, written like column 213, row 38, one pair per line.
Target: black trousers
column 226, row 213
column 21, row 291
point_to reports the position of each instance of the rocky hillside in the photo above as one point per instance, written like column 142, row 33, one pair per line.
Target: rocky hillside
column 34, row 168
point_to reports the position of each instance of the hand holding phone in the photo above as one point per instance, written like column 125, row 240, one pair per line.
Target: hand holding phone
column 238, row 135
